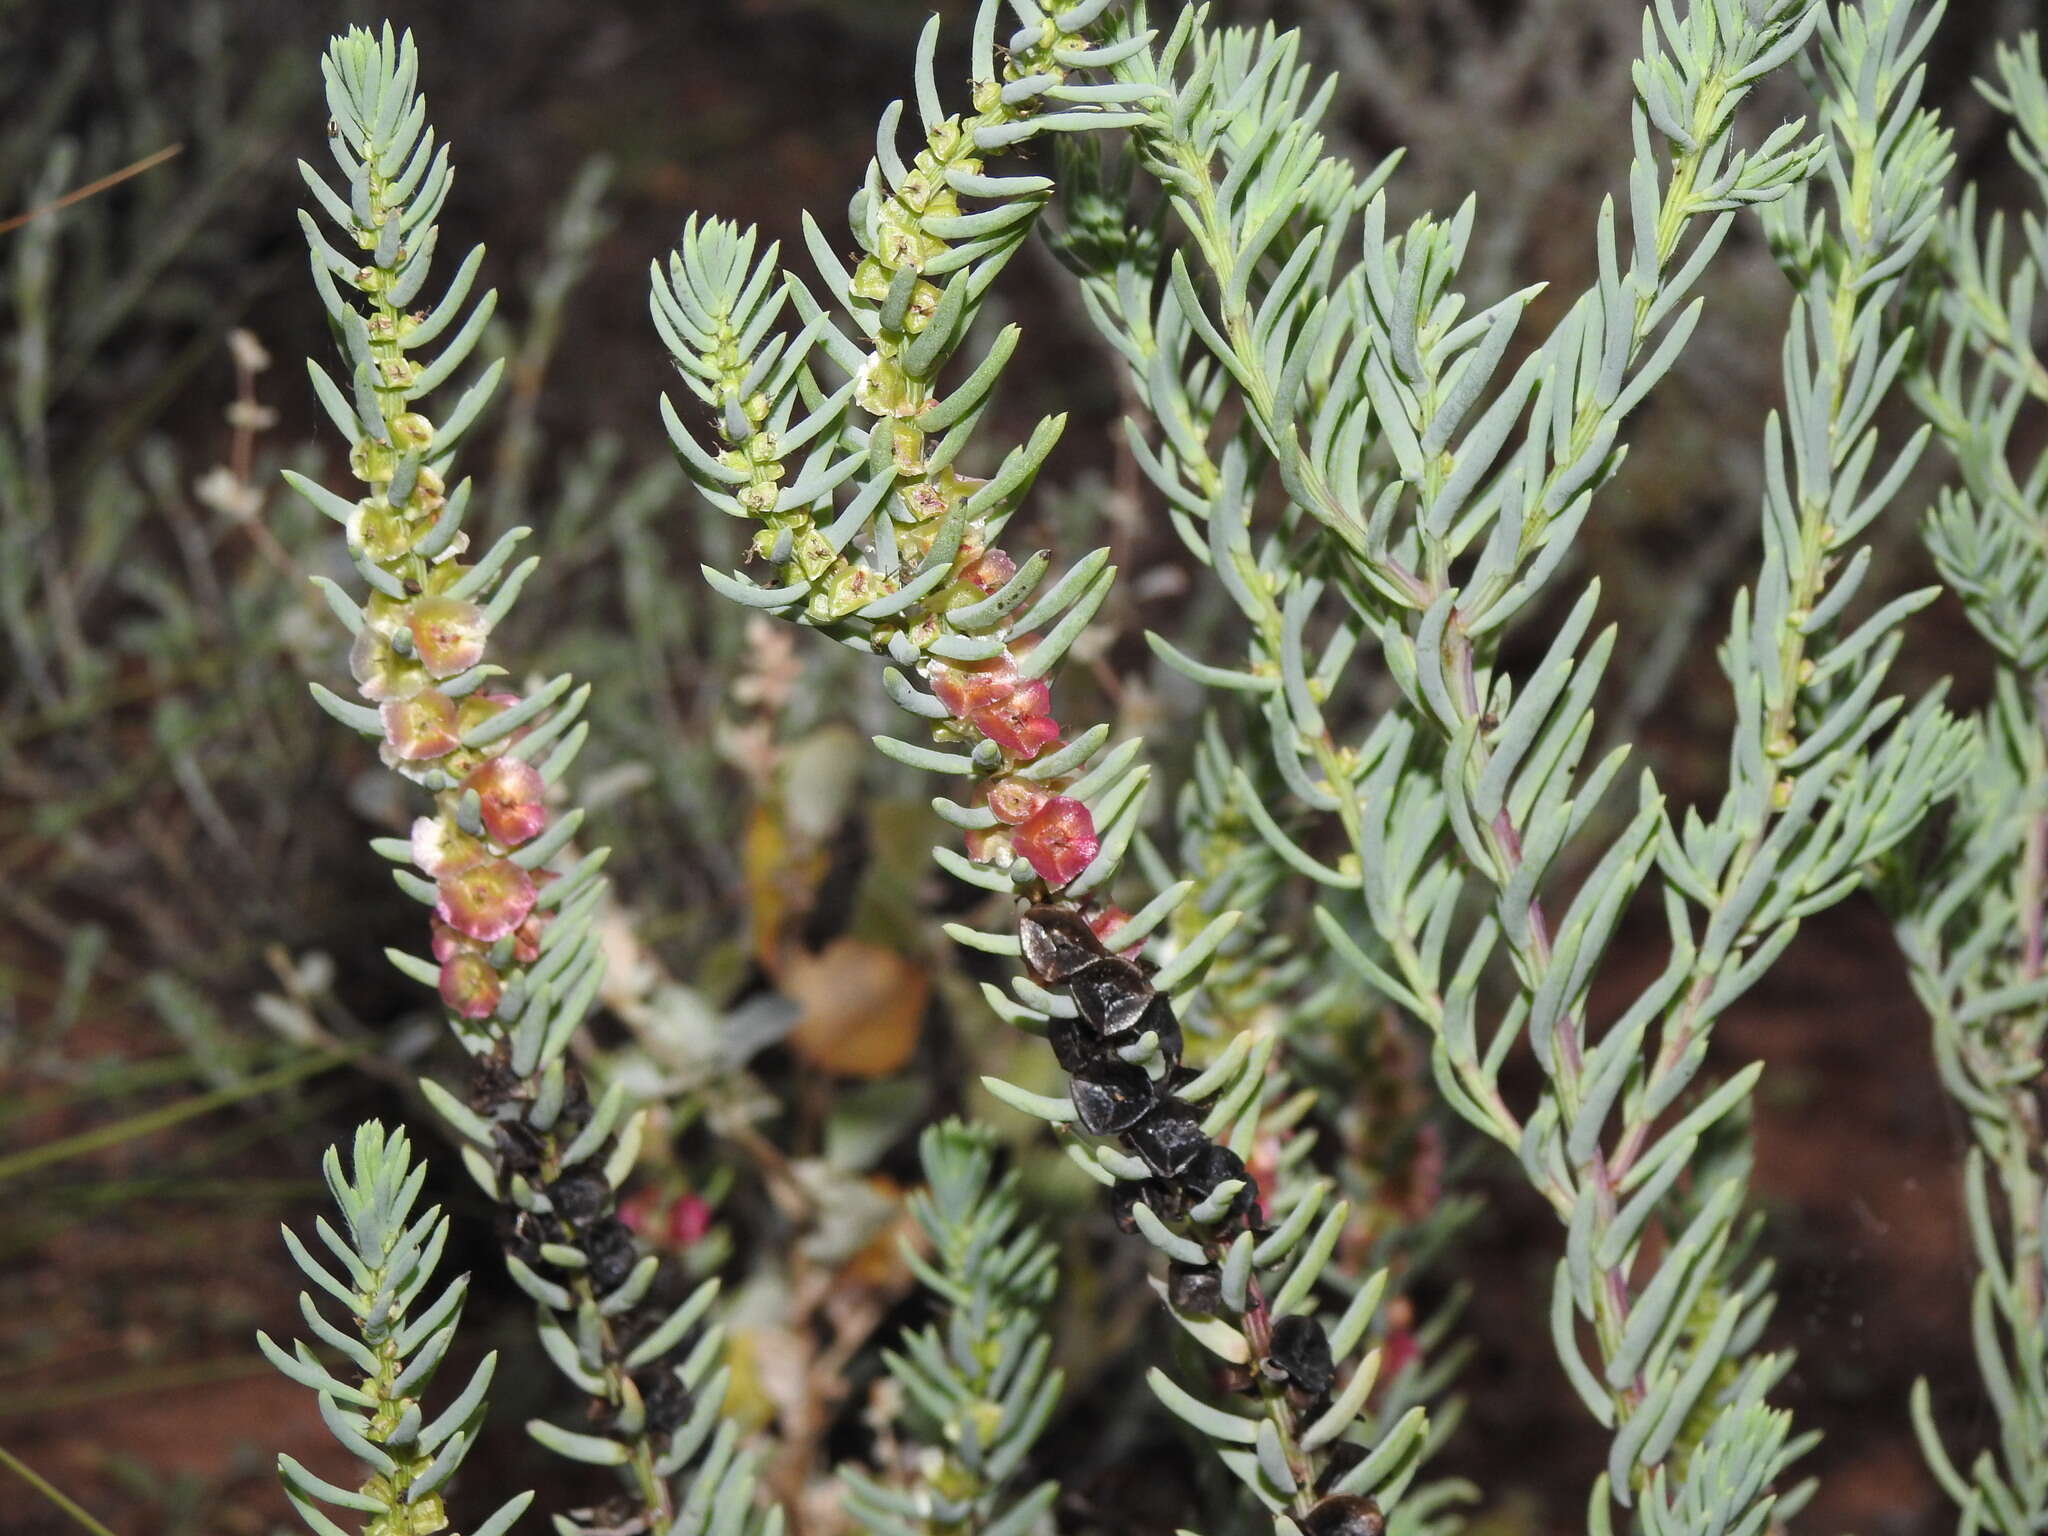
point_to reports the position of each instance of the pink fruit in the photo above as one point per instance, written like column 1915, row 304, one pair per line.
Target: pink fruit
column 486, row 901
column 1059, row 840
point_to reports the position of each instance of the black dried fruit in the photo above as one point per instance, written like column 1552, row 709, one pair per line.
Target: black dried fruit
column 1236, row 1380
column 520, row 1234
column 1345, row 1514
column 1163, row 1200
column 1111, row 1096
column 492, row 1083
column 1121, row 1199
column 1166, row 1199
column 576, row 1109
column 1211, row 1167
column 612, row 1253
column 666, row 1399
column 1159, row 1018
column 1074, row 1046
column 1344, row 1455
column 580, row 1196
column 1300, row 1355
column 1057, row 943
column 1195, row 1289
column 1112, row 994
column 618, row 1513
column 1168, row 1139
column 518, row 1147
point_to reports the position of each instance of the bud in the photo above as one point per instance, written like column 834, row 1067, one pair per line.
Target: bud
column 1016, row 800
column 429, row 495
column 666, row 1221
column 526, row 937
column 924, row 296
column 991, row 845
column 447, row 942
column 906, row 448
column 689, row 1218
column 1399, row 1350
column 409, row 429
column 469, row 986
column 1344, row 1514
column 991, row 571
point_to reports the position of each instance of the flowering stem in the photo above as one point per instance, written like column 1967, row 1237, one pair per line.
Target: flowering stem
column 515, row 957
column 1047, row 815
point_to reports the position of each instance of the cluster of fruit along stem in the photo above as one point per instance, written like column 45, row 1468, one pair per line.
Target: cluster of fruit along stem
column 1192, row 1196
column 1002, row 699
column 514, row 959
column 1121, row 1043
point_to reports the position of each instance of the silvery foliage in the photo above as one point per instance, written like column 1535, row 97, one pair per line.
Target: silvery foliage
column 395, row 1340
column 842, row 447
column 978, row 1380
column 1265, row 976
column 651, row 1369
column 1427, row 501
column 1970, row 916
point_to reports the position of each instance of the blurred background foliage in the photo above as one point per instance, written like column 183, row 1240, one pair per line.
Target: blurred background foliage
column 192, row 993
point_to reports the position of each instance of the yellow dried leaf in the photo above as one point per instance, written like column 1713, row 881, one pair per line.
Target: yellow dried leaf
column 860, row 1006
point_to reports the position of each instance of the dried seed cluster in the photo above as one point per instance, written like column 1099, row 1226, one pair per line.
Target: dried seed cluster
column 560, row 1221
column 1121, row 1019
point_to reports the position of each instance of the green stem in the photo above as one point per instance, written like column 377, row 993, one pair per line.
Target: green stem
column 1809, row 581
column 50, row 1491
column 102, row 1137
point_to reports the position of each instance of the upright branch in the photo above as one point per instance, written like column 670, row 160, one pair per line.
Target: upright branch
column 1970, row 920
column 978, row 1381
column 394, row 1343
column 1435, row 500
column 514, row 957
column 871, row 532
column 1242, row 812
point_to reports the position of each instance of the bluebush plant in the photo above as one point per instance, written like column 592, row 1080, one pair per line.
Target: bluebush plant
column 911, row 570
column 1393, row 808
column 980, row 1389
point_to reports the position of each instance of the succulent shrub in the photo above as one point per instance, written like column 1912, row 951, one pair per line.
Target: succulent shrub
column 1396, row 806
